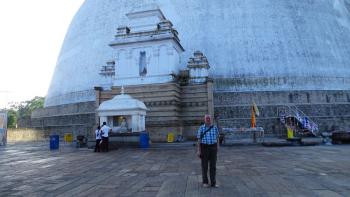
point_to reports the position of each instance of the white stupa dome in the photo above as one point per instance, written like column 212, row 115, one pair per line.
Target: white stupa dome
column 252, row 45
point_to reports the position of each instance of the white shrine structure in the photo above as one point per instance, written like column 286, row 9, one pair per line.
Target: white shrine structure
column 123, row 114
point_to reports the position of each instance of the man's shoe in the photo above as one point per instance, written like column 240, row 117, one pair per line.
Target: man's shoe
column 205, row 185
column 215, row 186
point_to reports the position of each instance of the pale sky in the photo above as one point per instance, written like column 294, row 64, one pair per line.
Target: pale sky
column 31, row 35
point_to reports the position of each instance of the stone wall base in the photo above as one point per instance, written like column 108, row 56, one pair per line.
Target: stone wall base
column 25, row 135
column 330, row 109
column 179, row 110
column 76, row 119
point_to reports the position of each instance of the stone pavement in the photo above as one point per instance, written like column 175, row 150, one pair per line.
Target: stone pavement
column 33, row 170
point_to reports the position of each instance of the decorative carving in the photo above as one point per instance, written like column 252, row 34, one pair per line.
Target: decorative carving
column 165, row 25
column 109, row 69
column 163, row 31
column 122, row 30
column 193, row 104
column 162, row 103
column 198, row 61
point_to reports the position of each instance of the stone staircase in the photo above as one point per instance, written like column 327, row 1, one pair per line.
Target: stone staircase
column 303, row 123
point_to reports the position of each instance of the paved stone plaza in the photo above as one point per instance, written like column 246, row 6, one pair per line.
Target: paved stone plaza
column 33, row 170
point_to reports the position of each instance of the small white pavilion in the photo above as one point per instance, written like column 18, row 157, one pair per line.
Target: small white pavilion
column 123, row 114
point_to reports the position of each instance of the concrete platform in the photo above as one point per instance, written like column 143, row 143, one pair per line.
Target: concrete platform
column 34, row 170
column 306, row 141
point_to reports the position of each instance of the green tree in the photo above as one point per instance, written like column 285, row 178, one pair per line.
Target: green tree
column 25, row 109
column 21, row 112
column 11, row 118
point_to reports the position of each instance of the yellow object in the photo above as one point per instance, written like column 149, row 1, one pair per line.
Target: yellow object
column 290, row 133
column 253, row 118
column 68, row 137
column 170, row 137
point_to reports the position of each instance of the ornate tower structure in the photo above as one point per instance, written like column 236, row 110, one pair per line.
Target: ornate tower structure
column 148, row 51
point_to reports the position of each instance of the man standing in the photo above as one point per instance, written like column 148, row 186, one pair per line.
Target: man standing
column 105, row 133
column 208, row 145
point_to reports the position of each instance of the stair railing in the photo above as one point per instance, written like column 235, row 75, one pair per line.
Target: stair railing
column 294, row 111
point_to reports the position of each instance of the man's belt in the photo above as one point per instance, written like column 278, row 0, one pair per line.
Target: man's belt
column 209, row 145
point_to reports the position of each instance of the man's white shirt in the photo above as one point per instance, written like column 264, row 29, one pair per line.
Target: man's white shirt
column 105, row 129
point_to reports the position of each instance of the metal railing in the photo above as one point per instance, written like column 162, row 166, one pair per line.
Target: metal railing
column 305, row 122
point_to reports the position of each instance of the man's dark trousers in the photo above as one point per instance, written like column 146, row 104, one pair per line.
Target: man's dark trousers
column 209, row 155
column 105, row 144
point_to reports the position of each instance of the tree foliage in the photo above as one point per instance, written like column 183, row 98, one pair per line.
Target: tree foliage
column 25, row 109
column 19, row 113
column 11, row 118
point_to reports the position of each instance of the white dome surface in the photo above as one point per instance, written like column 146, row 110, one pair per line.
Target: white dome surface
column 259, row 45
column 122, row 102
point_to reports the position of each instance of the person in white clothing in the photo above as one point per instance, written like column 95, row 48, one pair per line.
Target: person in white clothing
column 105, row 133
column 98, row 139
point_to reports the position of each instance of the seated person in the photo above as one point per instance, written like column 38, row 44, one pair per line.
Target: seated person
column 123, row 127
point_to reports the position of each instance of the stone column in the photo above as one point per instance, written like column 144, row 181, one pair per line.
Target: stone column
column 142, row 123
column 135, row 121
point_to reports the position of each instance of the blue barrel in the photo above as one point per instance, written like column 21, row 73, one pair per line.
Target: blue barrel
column 144, row 140
column 54, row 142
